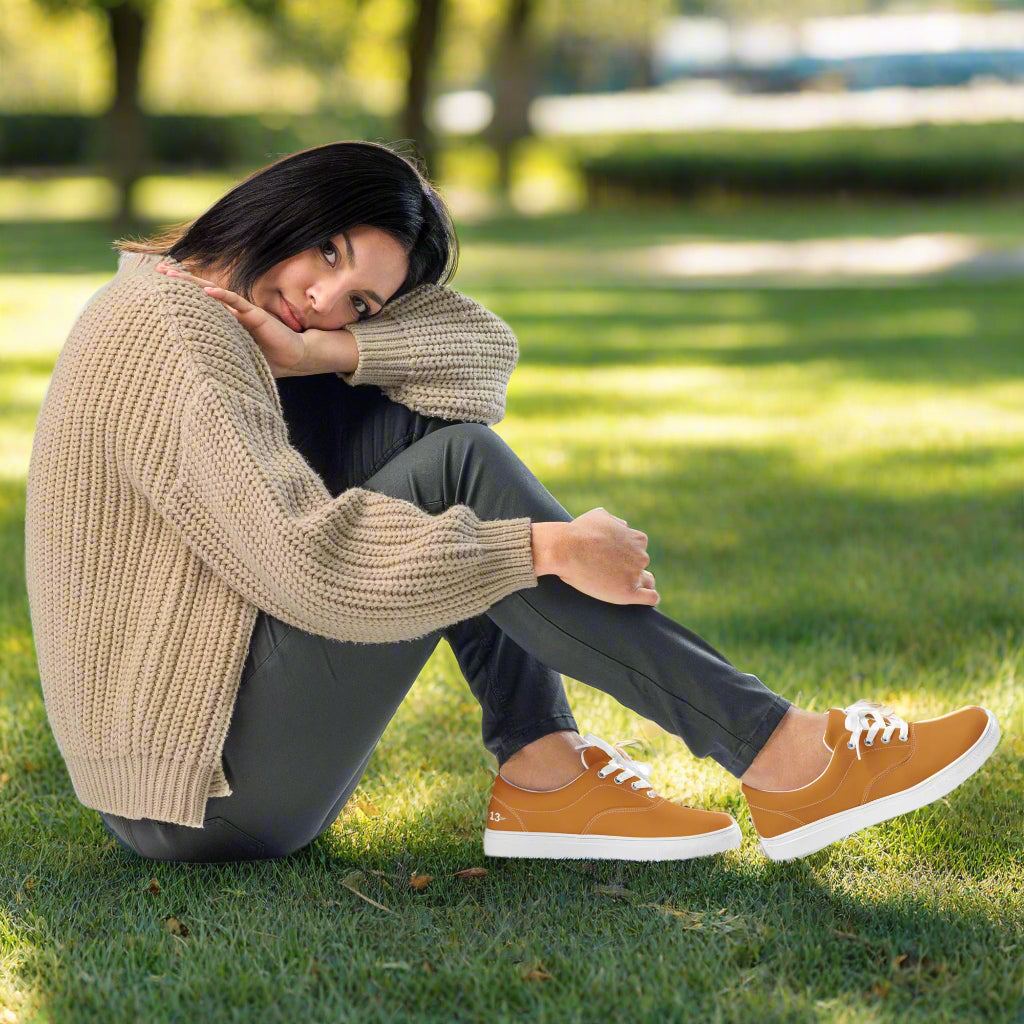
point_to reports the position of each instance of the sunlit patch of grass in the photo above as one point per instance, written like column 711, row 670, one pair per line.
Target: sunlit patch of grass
column 831, row 486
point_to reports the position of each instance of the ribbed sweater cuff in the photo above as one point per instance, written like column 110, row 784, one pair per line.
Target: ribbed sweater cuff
column 507, row 561
column 143, row 788
column 385, row 354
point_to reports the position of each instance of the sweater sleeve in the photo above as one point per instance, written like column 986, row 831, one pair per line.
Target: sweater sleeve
column 439, row 353
column 363, row 567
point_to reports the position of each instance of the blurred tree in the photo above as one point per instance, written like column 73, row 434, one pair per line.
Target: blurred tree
column 123, row 136
column 421, row 46
column 322, row 33
column 515, row 79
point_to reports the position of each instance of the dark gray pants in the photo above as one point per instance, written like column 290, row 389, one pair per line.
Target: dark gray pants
column 310, row 710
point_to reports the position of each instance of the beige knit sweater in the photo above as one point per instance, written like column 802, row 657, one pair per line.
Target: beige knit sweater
column 165, row 507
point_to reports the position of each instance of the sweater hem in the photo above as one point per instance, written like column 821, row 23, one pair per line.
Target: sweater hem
column 143, row 788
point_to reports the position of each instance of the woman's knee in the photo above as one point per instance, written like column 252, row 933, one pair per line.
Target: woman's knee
column 218, row 840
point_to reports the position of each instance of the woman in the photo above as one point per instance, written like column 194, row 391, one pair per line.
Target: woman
column 263, row 487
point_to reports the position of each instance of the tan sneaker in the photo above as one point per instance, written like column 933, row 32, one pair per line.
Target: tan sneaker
column 881, row 767
column 609, row 811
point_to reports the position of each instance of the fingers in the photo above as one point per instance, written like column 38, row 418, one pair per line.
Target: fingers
column 232, row 300
column 170, row 271
column 645, row 591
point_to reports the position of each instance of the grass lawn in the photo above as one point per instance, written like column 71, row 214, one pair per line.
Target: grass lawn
column 831, row 483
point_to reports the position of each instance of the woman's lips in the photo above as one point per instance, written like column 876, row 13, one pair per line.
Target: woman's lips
column 290, row 317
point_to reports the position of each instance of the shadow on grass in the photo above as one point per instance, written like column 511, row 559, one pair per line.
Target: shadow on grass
column 954, row 334
column 732, row 938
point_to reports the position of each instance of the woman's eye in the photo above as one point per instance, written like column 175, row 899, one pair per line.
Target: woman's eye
column 360, row 306
column 330, row 253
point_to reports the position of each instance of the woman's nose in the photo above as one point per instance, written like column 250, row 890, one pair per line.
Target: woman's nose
column 323, row 295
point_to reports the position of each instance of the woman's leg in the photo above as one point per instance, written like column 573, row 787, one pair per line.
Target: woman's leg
column 644, row 659
column 295, row 752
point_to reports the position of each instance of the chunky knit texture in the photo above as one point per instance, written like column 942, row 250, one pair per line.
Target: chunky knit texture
column 450, row 351
column 165, row 507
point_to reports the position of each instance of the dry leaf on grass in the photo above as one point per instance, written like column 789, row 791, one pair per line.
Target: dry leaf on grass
column 420, row 881
column 153, row 887
column 176, row 927
column 471, row 873
column 538, row 972
column 351, row 882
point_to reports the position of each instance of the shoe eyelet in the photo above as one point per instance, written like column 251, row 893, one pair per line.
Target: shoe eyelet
column 850, row 745
column 618, row 781
column 869, row 743
column 633, row 786
column 884, row 740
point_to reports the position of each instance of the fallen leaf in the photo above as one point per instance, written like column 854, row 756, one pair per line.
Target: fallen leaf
column 471, row 873
column 351, row 882
column 428, row 967
column 28, row 883
column 420, row 881
column 536, row 973
column 368, row 807
column 4, row 778
column 153, row 887
column 176, row 927
column 30, row 766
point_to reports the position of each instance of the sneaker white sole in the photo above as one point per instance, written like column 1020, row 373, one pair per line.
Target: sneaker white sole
column 560, row 846
column 810, row 838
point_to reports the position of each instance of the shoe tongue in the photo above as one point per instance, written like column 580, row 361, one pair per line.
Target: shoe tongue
column 593, row 757
column 835, row 728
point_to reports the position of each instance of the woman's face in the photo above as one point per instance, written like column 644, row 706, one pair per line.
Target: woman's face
column 332, row 285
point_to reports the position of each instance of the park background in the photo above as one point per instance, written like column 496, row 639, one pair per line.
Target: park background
column 764, row 265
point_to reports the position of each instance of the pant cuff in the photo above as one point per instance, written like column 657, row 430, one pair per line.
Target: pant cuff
column 760, row 736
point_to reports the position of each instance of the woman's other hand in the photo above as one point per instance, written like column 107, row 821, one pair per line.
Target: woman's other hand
column 598, row 554
column 286, row 351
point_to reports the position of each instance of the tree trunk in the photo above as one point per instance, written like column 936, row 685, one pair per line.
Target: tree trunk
column 125, row 146
column 514, row 79
column 422, row 46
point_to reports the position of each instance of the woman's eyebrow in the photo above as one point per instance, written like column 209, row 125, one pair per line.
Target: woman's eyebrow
column 350, row 253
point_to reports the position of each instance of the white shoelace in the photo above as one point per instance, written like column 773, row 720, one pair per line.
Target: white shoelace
column 872, row 718
column 625, row 767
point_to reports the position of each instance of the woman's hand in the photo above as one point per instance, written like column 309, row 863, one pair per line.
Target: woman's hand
column 599, row 555
column 282, row 347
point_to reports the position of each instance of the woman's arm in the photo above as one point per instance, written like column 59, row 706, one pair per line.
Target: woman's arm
column 439, row 353
column 287, row 353
column 434, row 350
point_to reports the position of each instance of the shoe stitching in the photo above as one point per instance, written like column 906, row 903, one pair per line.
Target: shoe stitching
column 781, row 814
column 511, row 810
column 803, row 808
column 616, row 810
column 888, row 771
column 566, row 807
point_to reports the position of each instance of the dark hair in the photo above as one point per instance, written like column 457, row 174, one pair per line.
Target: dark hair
column 305, row 199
